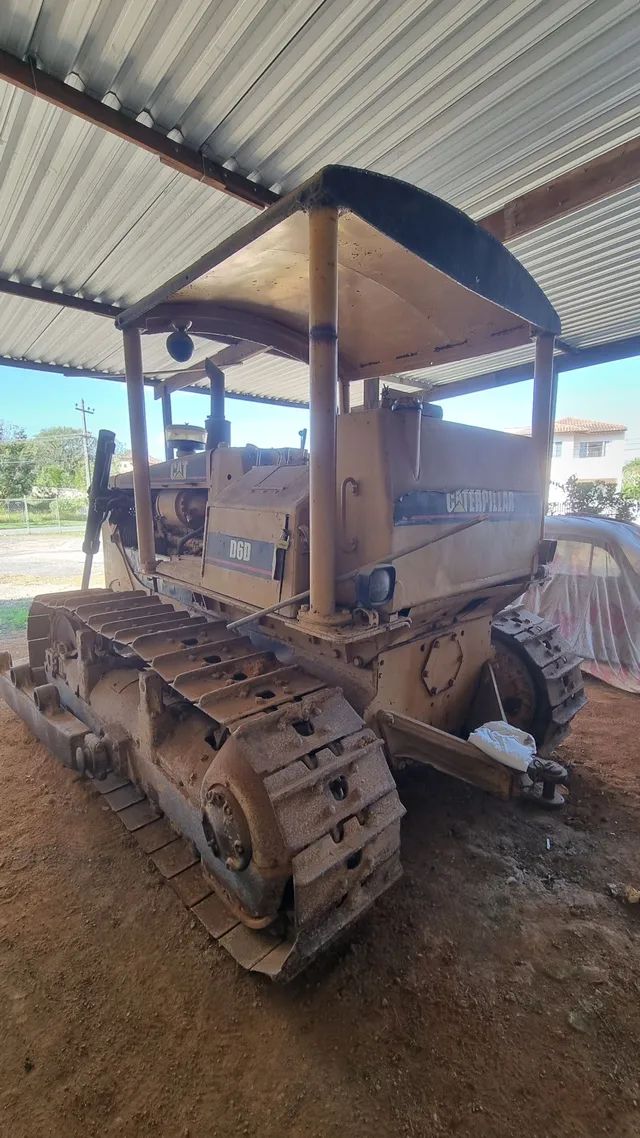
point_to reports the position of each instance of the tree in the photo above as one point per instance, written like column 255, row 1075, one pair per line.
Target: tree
column 598, row 498
column 58, row 453
column 631, row 480
column 50, row 461
column 17, row 466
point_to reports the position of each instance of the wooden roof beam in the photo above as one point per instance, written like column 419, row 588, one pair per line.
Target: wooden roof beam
column 62, row 299
column 609, row 173
column 28, row 77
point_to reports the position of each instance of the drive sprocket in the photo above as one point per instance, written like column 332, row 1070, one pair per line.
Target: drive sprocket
column 538, row 676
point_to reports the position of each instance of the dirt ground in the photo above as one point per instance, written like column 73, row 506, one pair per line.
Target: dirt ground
column 43, row 561
column 494, row 993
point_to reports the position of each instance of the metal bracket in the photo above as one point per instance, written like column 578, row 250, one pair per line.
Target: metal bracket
column 349, row 545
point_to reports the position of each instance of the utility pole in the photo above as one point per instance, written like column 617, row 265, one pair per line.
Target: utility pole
column 84, row 411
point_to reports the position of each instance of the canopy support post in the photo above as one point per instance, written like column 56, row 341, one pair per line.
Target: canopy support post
column 323, row 384
column 543, row 410
column 139, row 449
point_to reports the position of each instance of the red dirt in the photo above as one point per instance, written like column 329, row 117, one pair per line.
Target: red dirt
column 493, row 994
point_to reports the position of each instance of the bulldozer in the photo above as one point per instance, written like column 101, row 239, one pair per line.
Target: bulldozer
column 282, row 629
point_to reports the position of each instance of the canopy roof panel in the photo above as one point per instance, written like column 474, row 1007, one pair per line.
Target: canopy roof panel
column 419, row 282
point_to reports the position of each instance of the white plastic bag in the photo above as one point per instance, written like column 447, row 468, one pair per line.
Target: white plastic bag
column 509, row 745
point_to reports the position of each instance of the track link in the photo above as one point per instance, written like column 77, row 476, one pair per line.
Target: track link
column 553, row 668
column 344, row 850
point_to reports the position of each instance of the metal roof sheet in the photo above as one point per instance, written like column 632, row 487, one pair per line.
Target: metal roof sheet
column 474, row 100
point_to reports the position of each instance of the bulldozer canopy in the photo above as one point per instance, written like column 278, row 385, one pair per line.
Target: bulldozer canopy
column 419, row 282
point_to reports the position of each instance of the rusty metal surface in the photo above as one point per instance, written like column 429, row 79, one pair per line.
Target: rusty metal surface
column 138, row 815
column 546, row 676
column 409, row 738
column 155, row 835
column 126, row 796
column 174, row 858
column 301, row 784
column 111, row 782
column 190, row 885
column 215, row 916
column 303, row 813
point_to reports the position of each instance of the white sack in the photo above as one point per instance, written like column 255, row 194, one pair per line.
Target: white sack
column 509, row 745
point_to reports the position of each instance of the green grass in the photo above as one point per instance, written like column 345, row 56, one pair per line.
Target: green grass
column 42, row 513
column 13, row 616
column 41, row 521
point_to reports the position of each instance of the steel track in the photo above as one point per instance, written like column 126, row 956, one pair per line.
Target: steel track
column 343, row 853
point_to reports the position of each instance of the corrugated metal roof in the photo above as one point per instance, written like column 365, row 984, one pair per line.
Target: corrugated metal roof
column 589, row 266
column 475, row 100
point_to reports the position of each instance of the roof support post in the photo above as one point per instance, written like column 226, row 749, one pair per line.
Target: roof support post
column 344, row 396
column 139, row 449
column 167, row 421
column 543, row 410
column 372, row 394
column 323, row 386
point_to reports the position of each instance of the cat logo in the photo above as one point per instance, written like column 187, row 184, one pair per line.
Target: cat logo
column 239, row 550
column 178, row 468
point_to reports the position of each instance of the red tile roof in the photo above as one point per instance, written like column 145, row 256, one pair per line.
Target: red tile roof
column 570, row 426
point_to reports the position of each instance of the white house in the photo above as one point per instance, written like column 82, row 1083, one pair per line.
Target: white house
column 590, row 450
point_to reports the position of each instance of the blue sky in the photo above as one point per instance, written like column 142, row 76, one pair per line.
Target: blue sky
column 36, row 399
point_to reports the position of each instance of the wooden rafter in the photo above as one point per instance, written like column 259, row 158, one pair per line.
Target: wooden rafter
column 62, row 299
column 183, row 158
column 609, row 173
column 615, row 170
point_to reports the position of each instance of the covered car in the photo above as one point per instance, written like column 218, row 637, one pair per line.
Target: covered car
column 592, row 593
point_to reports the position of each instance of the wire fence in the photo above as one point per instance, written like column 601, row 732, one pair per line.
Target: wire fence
column 29, row 514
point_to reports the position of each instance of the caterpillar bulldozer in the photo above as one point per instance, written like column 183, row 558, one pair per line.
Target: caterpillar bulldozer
column 281, row 630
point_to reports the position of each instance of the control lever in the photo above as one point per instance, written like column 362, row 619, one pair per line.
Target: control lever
column 97, row 501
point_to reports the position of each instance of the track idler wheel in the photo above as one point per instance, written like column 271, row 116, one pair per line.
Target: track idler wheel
column 227, row 829
column 250, row 865
column 93, row 757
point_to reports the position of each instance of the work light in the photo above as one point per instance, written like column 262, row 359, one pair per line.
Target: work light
column 375, row 586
